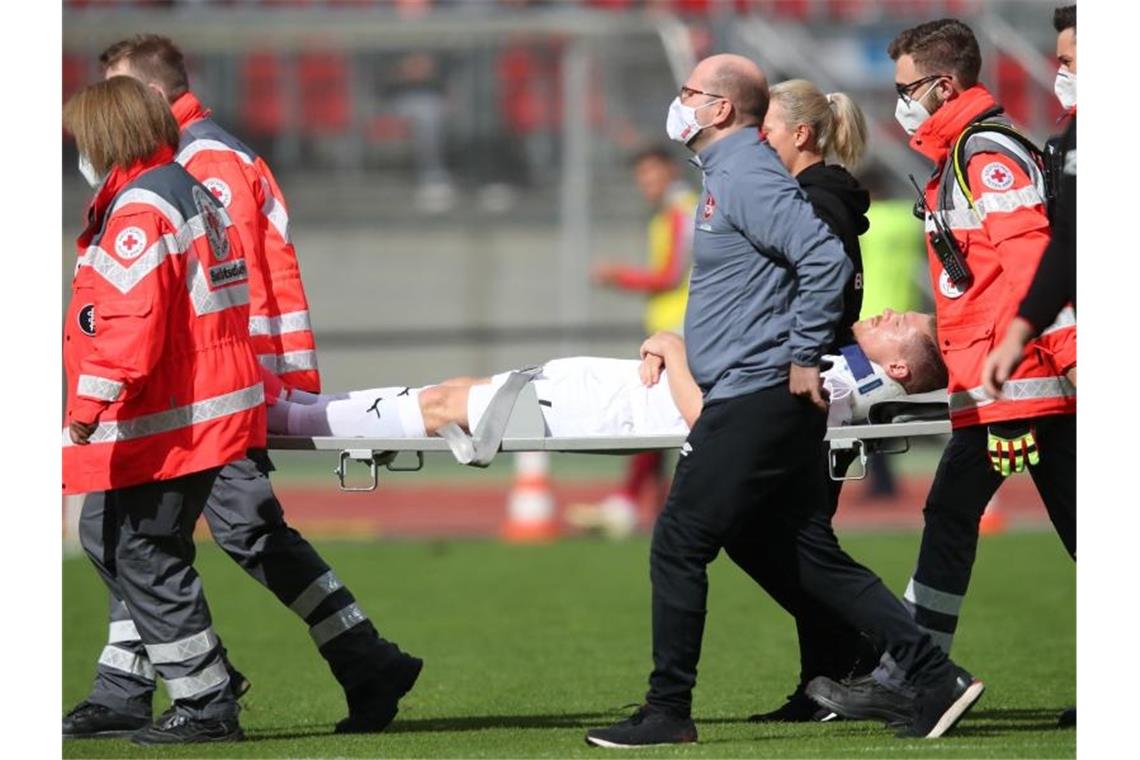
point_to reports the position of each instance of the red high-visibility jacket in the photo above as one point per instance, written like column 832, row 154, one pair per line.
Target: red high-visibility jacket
column 155, row 340
column 1002, row 236
column 279, row 324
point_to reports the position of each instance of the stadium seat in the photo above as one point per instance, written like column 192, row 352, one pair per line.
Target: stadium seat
column 262, row 101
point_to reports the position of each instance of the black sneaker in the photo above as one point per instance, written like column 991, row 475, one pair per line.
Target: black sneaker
column 799, row 708
column 88, row 719
column 239, row 684
column 1068, row 718
column 647, row 727
column 863, row 698
column 178, row 728
column 373, row 704
column 939, row 708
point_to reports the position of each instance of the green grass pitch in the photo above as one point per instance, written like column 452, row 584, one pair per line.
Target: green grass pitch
column 527, row 647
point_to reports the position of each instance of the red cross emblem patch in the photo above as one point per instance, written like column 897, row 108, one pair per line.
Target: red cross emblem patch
column 997, row 176
column 130, row 243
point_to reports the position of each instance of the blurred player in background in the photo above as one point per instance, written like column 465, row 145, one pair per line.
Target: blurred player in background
column 244, row 515
column 665, row 282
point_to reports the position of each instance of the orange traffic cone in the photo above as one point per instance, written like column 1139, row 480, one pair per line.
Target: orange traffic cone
column 530, row 506
column 993, row 521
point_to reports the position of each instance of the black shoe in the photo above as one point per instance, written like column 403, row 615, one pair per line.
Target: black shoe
column 862, row 699
column 799, row 708
column 373, row 704
column 239, row 684
column 939, row 708
column 1068, row 718
column 645, row 728
column 88, row 719
column 178, row 728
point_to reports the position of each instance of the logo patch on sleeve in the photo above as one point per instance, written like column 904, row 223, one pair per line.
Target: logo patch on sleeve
column 220, row 190
column 86, row 319
column 130, row 243
column 997, row 176
column 213, row 222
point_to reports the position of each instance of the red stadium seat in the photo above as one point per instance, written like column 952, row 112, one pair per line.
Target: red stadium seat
column 326, row 104
column 1013, row 89
column 262, row 101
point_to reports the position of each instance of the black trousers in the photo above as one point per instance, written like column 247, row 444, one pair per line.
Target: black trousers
column 962, row 487
column 751, row 480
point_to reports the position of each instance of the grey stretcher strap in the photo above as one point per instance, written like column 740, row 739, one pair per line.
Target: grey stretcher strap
column 480, row 447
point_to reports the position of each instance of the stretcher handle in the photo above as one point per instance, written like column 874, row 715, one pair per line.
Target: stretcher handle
column 846, row 444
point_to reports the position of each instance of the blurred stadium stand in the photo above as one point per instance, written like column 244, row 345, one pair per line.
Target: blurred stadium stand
column 453, row 165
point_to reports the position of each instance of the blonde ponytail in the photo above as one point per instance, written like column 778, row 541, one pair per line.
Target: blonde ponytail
column 836, row 122
column 849, row 129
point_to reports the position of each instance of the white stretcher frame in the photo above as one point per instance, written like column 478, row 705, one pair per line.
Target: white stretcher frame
column 513, row 423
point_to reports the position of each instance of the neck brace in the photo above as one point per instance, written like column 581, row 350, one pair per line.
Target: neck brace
column 856, row 382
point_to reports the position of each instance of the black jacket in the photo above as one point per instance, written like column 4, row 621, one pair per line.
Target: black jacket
column 1055, row 283
column 841, row 203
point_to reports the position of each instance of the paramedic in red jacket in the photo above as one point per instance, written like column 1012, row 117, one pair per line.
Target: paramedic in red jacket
column 162, row 388
column 1001, row 232
column 243, row 513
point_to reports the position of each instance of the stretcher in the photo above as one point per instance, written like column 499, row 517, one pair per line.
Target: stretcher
column 513, row 422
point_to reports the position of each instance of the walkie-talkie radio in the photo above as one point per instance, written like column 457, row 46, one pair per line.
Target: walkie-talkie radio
column 944, row 244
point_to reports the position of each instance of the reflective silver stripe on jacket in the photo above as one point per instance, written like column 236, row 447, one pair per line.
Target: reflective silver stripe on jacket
column 1009, row 200
column 207, row 301
column 199, row 683
column 179, row 417
column 1067, row 317
column 290, row 361
column 183, row 649
column 186, row 154
column 336, row 624
column 276, row 214
column 149, row 198
column 121, row 659
column 956, row 219
column 1014, row 390
column 291, row 322
column 932, row 599
column 317, row 592
column 122, row 630
column 102, row 388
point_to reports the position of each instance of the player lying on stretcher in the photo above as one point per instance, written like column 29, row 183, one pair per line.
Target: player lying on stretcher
column 895, row 355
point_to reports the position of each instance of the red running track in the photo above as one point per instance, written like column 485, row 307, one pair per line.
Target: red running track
column 479, row 510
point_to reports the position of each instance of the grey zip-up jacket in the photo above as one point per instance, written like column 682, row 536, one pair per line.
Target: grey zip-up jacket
column 768, row 276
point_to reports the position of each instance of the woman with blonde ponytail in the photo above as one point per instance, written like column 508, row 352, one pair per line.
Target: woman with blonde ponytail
column 805, row 128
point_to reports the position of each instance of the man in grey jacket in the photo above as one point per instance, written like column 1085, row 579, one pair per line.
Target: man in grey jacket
column 765, row 295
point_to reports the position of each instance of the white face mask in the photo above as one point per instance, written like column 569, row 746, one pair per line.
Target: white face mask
column 911, row 113
column 88, row 172
column 1065, row 88
column 681, row 124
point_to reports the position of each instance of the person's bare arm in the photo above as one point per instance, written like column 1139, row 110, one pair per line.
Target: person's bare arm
column 670, row 349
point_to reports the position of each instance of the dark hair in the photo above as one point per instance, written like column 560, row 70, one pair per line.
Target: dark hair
column 927, row 370
column 655, row 152
column 153, row 58
column 1064, row 18
column 946, row 46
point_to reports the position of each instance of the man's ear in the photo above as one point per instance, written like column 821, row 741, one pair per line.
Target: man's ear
column 726, row 113
column 899, row 371
column 157, row 88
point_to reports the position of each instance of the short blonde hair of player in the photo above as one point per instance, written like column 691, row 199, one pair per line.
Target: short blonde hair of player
column 837, row 124
column 118, row 122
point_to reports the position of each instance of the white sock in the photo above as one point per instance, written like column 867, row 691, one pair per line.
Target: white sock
column 366, row 416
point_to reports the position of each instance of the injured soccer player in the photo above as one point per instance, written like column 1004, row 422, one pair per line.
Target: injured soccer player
column 895, row 354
